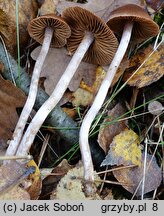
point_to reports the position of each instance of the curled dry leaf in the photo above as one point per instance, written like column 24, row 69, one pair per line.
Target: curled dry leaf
column 133, row 176
column 11, row 98
column 56, row 63
column 111, row 126
column 10, row 175
column 27, row 11
column 150, row 72
column 124, row 150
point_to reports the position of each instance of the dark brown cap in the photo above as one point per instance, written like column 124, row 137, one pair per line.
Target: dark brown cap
column 62, row 31
column 144, row 27
column 105, row 44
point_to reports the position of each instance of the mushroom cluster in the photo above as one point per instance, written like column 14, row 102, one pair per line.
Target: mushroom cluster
column 90, row 39
column 86, row 38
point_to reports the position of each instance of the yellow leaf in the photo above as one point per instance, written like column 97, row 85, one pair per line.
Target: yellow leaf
column 82, row 97
column 151, row 71
column 124, row 149
column 35, row 178
column 100, row 74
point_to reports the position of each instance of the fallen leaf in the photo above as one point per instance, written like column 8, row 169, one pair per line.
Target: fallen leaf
column 85, row 94
column 56, row 63
column 48, row 7
column 133, row 176
column 150, row 72
column 70, row 186
column 82, row 97
column 102, row 10
column 99, row 76
column 51, row 181
column 9, row 182
column 70, row 112
column 27, row 11
column 5, row 26
column 111, row 126
column 36, row 183
column 124, row 150
column 11, row 98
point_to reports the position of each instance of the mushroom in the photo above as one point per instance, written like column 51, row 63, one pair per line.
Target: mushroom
column 92, row 39
column 47, row 30
column 126, row 20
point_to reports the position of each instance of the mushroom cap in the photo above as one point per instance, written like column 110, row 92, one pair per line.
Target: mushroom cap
column 144, row 27
column 62, row 31
column 105, row 44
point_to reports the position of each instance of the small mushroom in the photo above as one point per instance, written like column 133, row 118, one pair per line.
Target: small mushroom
column 92, row 39
column 47, row 30
column 126, row 20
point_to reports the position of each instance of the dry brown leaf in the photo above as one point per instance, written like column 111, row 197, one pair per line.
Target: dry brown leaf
column 124, row 150
column 111, row 126
column 51, row 181
column 48, row 6
column 11, row 98
column 85, row 94
column 27, row 11
column 56, row 63
column 133, row 176
column 9, row 182
column 102, row 9
column 150, row 72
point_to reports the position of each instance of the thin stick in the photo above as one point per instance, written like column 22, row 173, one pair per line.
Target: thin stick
column 14, row 157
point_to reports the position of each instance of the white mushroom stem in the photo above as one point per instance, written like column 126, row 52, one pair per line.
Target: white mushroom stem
column 54, row 98
column 101, row 95
column 19, row 129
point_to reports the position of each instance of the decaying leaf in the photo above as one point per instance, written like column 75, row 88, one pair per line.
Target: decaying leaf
column 85, row 94
column 36, row 183
column 11, row 98
column 70, row 186
column 102, row 10
column 111, row 127
column 9, row 182
column 56, row 63
column 133, row 176
column 82, row 97
column 27, row 11
column 48, row 7
column 51, row 181
column 124, row 150
column 5, row 26
column 100, row 74
column 150, row 72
